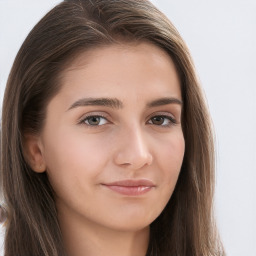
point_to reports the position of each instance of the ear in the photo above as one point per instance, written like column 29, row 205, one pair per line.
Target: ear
column 33, row 152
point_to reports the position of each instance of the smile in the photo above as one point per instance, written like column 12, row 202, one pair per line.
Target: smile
column 131, row 187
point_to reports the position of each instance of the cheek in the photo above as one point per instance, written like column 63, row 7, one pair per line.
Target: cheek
column 71, row 156
column 176, row 151
column 169, row 152
column 170, row 158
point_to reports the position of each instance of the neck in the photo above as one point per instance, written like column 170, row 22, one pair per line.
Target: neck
column 90, row 239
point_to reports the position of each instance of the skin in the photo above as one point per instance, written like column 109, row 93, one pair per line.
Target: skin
column 81, row 155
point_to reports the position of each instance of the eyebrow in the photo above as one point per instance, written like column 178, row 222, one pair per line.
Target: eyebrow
column 164, row 101
column 117, row 104
column 107, row 102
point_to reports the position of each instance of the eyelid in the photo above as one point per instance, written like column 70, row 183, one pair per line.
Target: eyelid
column 172, row 120
column 164, row 114
column 104, row 115
column 92, row 114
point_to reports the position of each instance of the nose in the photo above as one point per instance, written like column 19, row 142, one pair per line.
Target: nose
column 132, row 150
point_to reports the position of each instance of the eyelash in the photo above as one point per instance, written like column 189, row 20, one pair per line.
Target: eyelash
column 91, row 116
column 171, row 121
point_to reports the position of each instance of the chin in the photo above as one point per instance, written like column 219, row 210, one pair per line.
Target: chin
column 133, row 222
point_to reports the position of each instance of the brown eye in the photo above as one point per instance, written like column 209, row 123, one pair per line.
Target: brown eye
column 164, row 121
column 158, row 120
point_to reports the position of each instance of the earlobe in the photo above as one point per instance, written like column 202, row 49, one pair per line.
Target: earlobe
column 33, row 152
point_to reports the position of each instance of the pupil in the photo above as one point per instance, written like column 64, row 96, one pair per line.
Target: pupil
column 158, row 120
column 94, row 120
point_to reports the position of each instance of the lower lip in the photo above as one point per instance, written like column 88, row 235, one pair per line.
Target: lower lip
column 130, row 190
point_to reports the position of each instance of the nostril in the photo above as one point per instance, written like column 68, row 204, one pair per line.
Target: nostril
column 133, row 151
column 133, row 160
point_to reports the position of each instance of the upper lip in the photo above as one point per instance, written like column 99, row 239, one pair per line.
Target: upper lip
column 131, row 183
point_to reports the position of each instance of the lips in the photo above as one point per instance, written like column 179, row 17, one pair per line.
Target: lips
column 131, row 187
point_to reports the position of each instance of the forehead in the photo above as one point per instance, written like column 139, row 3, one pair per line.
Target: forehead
column 120, row 68
column 121, row 49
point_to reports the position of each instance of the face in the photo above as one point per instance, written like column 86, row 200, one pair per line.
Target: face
column 112, row 142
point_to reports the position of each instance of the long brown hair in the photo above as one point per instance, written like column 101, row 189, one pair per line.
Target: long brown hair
column 186, row 226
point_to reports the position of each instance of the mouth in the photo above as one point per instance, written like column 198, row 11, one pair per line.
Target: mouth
column 131, row 187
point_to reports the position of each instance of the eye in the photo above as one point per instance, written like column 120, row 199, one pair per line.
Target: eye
column 94, row 120
column 162, row 120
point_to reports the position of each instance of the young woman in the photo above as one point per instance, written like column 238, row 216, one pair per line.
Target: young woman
column 107, row 146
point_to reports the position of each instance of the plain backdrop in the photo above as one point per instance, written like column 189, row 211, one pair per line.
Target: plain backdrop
column 221, row 36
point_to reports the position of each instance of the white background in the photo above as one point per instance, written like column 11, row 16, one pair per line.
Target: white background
column 221, row 35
